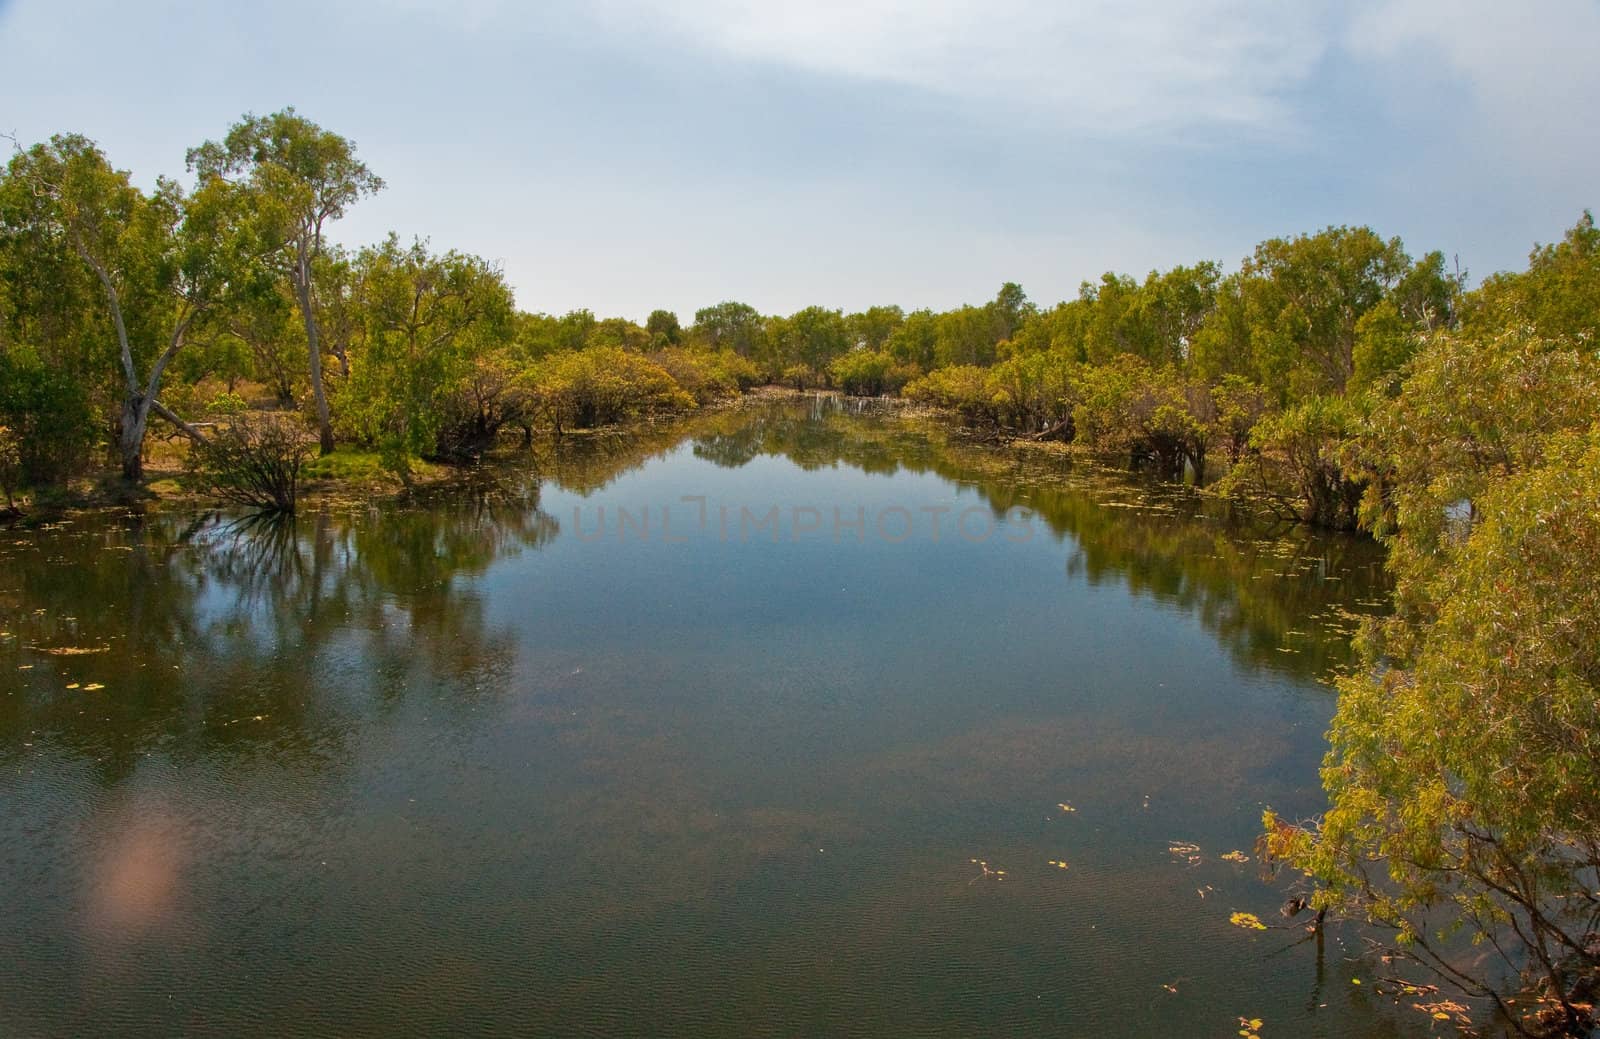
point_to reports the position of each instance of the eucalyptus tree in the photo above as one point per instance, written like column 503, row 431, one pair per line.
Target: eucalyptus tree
column 300, row 178
column 427, row 318
column 729, row 326
column 163, row 261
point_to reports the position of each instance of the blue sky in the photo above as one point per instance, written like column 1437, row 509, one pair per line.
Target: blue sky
column 623, row 155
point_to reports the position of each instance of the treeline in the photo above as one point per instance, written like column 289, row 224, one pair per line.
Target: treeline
column 191, row 305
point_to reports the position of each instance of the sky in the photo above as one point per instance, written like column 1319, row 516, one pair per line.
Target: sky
column 625, row 155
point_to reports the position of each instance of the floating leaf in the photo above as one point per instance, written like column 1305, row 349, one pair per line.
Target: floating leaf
column 1236, row 856
column 1248, row 921
column 71, row 651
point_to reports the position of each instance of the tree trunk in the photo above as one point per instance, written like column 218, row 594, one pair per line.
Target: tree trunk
column 302, row 288
column 130, row 437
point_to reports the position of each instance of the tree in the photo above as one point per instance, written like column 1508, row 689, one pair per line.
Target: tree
column 812, row 337
column 729, row 326
column 1558, row 295
column 912, row 341
column 1464, row 774
column 300, row 178
column 1289, row 318
column 427, row 319
column 163, row 261
column 871, row 328
column 663, row 328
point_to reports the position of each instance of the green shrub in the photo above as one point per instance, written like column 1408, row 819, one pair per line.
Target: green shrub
column 227, row 404
column 600, row 386
column 50, row 418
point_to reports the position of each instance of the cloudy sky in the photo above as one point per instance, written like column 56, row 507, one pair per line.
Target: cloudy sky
column 623, row 155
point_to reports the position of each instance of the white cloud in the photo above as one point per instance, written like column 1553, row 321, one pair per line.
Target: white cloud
column 1527, row 73
column 1132, row 64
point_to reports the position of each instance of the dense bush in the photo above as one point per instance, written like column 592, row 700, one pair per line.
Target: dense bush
column 707, row 375
column 581, row 389
column 50, row 417
column 962, row 388
column 868, row 373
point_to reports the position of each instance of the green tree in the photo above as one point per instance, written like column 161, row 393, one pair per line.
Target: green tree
column 1289, row 318
column 1464, row 774
column 163, row 261
column 300, row 178
column 912, row 342
column 428, row 317
column 871, row 328
column 729, row 326
column 663, row 328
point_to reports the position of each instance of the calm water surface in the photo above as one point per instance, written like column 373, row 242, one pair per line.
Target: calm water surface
column 587, row 749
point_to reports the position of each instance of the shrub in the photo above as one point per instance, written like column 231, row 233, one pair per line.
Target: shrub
column 253, row 463
column 963, row 388
column 602, row 385
column 227, row 404
column 705, row 374
column 867, row 373
column 50, row 418
column 801, row 376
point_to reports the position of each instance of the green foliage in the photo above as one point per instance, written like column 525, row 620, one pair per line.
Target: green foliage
column 296, row 178
column 663, row 328
column 1385, row 341
column 707, row 375
column 1558, row 295
column 812, row 337
column 50, row 418
column 1464, row 776
column 1289, row 318
column 428, row 319
column 867, row 373
column 871, row 328
column 1128, row 405
column 227, row 404
column 1238, row 405
column 962, row 388
column 729, row 326
column 912, row 341
column 1300, row 462
column 1034, row 393
column 582, row 389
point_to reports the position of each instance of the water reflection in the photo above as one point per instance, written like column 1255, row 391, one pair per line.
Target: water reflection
column 440, row 766
column 217, row 634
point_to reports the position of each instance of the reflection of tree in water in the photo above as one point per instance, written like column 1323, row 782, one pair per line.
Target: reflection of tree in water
column 219, row 636
column 1278, row 597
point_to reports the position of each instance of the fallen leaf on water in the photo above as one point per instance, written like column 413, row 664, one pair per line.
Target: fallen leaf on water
column 1236, row 856
column 71, row 651
column 72, row 685
column 92, row 686
column 1066, row 807
column 1058, row 864
column 1248, row 921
